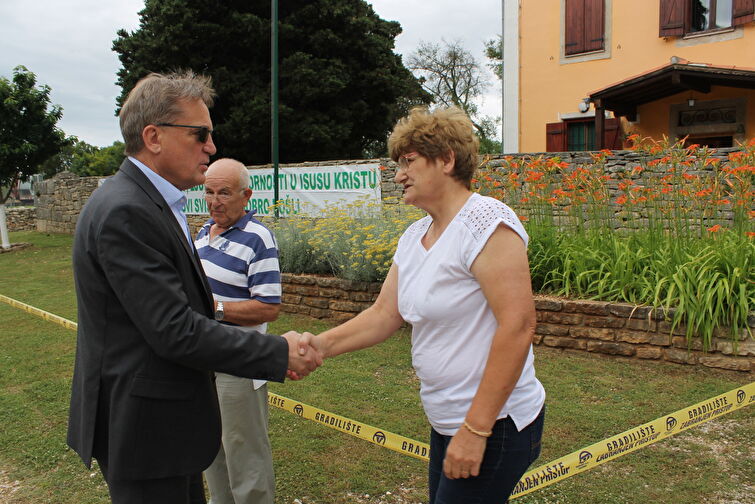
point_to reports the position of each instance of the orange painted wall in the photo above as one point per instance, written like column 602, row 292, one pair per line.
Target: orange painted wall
column 548, row 86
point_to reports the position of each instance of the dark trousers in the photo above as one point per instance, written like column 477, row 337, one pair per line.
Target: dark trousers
column 507, row 456
column 173, row 490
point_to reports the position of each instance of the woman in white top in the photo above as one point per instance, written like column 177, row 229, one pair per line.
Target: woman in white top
column 460, row 277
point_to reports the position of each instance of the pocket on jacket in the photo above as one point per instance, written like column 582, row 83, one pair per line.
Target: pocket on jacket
column 162, row 389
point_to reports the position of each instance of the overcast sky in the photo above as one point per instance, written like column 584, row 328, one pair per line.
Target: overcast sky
column 67, row 44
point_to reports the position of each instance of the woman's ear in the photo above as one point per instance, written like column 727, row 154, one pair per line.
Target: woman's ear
column 449, row 162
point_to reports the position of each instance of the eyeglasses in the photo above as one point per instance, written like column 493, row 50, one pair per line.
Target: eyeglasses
column 203, row 132
column 405, row 160
column 222, row 196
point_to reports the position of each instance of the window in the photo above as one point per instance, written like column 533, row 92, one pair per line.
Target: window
column 710, row 15
column 584, row 24
column 681, row 17
column 579, row 135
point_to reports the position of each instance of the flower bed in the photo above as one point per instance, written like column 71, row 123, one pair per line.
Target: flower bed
column 617, row 329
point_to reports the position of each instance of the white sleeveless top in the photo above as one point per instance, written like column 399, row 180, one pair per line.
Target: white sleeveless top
column 452, row 323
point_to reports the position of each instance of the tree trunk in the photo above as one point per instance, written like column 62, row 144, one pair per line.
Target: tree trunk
column 3, row 228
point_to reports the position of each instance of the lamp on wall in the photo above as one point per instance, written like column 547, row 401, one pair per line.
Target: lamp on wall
column 691, row 101
column 584, row 105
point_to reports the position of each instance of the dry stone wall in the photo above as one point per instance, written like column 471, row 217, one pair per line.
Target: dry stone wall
column 620, row 162
column 60, row 199
column 21, row 218
column 616, row 329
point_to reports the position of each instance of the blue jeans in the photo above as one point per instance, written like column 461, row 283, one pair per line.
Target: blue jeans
column 507, row 456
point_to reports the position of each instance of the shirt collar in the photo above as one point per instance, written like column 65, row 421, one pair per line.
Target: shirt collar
column 173, row 196
column 240, row 224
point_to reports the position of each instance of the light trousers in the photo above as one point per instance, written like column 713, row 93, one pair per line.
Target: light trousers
column 242, row 473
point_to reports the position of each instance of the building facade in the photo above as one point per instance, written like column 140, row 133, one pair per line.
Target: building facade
column 586, row 74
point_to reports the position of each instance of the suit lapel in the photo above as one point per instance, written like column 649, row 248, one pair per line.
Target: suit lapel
column 133, row 171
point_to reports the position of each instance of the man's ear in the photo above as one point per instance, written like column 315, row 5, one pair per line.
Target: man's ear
column 247, row 194
column 152, row 138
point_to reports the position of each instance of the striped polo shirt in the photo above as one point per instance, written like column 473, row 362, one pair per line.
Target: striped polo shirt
column 242, row 262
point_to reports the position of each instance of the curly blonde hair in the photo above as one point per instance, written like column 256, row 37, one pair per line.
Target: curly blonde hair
column 435, row 135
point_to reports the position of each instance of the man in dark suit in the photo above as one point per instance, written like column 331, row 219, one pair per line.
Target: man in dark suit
column 143, row 403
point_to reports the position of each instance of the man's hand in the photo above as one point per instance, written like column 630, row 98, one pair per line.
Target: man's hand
column 302, row 358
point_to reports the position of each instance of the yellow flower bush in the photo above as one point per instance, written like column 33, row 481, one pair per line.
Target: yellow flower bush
column 355, row 240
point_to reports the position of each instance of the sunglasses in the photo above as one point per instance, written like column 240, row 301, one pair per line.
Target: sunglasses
column 203, row 132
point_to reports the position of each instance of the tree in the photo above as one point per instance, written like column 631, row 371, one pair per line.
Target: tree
column 342, row 87
column 452, row 76
column 488, row 143
column 102, row 161
column 29, row 135
column 85, row 160
column 67, row 158
column 494, row 52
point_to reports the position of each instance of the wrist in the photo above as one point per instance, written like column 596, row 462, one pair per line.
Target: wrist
column 219, row 311
column 325, row 346
column 477, row 432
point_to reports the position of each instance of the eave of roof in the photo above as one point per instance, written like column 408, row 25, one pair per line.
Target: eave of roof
column 680, row 75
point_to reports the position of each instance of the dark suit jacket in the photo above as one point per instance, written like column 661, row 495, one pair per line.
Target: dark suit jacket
column 142, row 400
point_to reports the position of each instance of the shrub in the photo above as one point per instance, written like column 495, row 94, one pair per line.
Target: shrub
column 355, row 241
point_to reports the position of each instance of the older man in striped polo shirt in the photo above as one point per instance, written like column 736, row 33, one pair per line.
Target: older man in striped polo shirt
column 240, row 258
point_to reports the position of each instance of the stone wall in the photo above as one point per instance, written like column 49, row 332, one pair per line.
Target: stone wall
column 639, row 332
column 327, row 297
column 620, row 162
column 616, row 329
column 21, row 218
column 60, row 199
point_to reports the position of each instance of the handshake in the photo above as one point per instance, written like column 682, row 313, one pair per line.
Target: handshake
column 304, row 354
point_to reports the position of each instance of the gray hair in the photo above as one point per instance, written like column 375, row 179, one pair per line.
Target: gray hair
column 243, row 172
column 243, row 175
column 155, row 98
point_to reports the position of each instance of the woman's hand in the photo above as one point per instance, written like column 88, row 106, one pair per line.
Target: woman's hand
column 464, row 455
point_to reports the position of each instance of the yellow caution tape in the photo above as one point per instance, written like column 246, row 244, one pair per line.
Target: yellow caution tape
column 360, row 430
column 574, row 463
column 39, row 313
column 565, row 467
column 634, row 439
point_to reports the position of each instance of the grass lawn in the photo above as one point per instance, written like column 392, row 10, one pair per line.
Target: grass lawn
column 590, row 397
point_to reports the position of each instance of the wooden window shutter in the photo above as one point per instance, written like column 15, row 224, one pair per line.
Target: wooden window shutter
column 673, row 18
column 594, row 25
column 574, row 26
column 612, row 136
column 555, row 137
column 742, row 12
